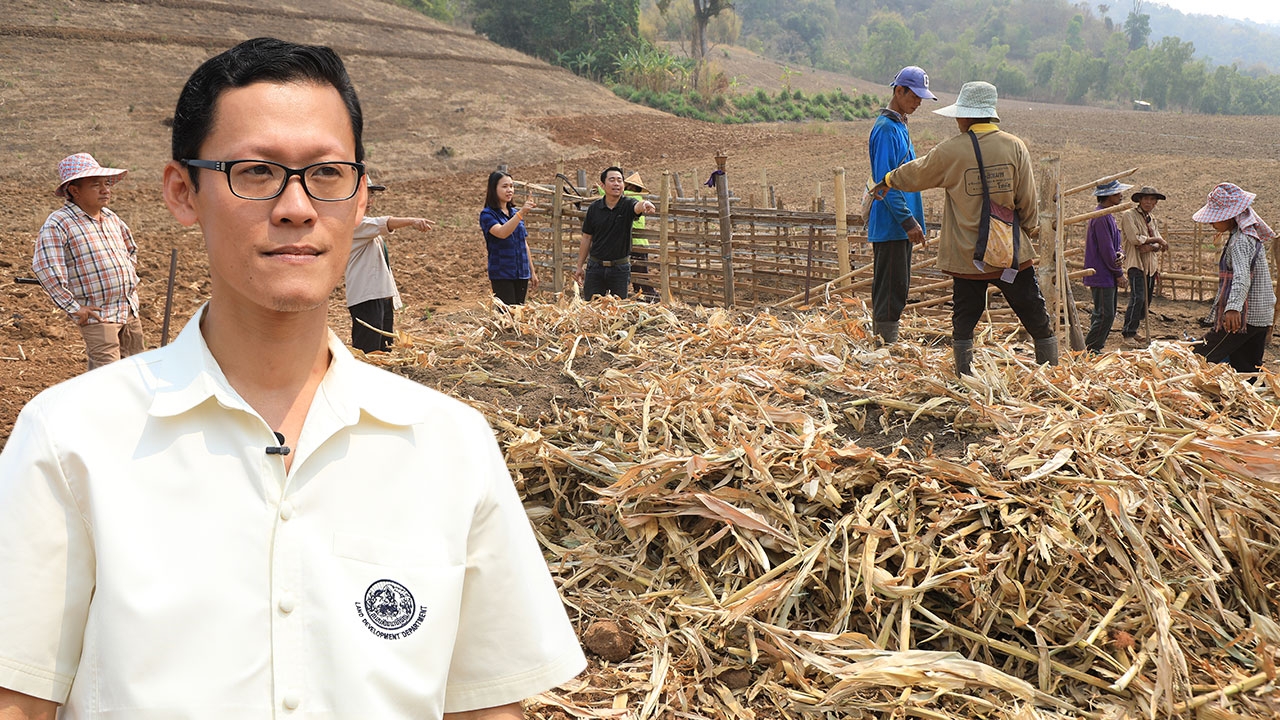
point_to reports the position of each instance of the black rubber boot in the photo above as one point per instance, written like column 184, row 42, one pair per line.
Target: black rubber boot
column 888, row 331
column 963, row 351
column 1047, row 351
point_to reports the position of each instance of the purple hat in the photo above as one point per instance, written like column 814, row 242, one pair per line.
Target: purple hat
column 82, row 165
column 1225, row 202
column 914, row 79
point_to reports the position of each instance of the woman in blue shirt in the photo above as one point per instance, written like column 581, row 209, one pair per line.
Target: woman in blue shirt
column 511, row 271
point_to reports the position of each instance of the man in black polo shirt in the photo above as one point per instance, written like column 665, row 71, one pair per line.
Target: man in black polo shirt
column 604, row 257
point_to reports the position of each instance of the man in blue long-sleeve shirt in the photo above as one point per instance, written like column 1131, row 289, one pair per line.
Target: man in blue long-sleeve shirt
column 897, row 221
column 1103, row 254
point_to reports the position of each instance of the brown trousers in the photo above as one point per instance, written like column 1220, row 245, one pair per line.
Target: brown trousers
column 108, row 342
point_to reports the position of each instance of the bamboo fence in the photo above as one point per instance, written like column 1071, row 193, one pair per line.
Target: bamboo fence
column 794, row 256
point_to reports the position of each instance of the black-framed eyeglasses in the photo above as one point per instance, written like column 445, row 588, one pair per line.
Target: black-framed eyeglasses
column 265, row 180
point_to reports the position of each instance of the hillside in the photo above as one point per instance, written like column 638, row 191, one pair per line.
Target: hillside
column 109, row 73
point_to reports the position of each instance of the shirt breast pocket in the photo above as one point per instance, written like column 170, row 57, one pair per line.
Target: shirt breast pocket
column 398, row 589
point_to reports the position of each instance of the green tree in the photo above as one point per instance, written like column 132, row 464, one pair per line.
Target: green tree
column 1137, row 27
column 889, row 45
column 586, row 36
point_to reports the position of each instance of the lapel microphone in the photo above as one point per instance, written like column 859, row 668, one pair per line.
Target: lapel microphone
column 280, row 448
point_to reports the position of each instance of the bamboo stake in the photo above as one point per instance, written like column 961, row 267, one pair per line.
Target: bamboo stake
column 1100, row 181
column 1084, row 217
column 842, row 224
column 664, row 239
column 557, row 230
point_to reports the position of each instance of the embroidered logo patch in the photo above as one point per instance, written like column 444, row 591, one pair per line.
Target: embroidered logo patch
column 390, row 611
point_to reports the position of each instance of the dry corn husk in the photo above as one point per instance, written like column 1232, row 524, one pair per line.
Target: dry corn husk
column 864, row 535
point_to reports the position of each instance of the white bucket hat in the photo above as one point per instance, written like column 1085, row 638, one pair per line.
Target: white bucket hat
column 976, row 100
column 82, row 165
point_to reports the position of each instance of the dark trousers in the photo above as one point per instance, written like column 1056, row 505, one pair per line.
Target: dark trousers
column 600, row 280
column 379, row 313
column 1142, row 288
column 969, row 301
column 511, row 292
column 890, row 279
column 640, row 274
column 1104, row 314
column 1243, row 349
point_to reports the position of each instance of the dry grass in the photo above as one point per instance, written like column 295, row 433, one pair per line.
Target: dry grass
column 1110, row 548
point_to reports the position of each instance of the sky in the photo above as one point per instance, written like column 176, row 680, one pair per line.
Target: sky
column 1262, row 11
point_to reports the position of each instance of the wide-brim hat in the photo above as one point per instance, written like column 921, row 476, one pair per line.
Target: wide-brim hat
column 977, row 99
column 1115, row 187
column 1225, row 201
column 82, row 165
column 634, row 179
column 1147, row 191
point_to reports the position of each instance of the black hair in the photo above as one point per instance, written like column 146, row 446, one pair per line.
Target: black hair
column 491, row 195
column 610, row 169
column 261, row 59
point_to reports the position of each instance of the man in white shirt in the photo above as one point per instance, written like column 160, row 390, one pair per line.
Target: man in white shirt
column 249, row 522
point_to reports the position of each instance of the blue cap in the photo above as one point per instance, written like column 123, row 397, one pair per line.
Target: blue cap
column 916, row 80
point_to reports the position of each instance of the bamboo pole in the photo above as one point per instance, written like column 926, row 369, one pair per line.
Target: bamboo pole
column 557, row 230
column 1099, row 181
column 1046, row 271
column 842, row 224
column 664, row 268
column 726, row 227
column 1084, row 217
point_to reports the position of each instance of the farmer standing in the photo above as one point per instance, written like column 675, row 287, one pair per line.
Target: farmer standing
column 1245, row 306
column 953, row 166
column 604, row 255
column 249, row 522
column 897, row 220
column 86, row 259
column 1104, row 254
column 1142, row 244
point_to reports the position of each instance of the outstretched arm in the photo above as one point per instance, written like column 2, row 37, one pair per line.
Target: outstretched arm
column 417, row 223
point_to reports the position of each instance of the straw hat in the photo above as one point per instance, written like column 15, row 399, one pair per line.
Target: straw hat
column 634, row 179
column 977, row 99
column 82, row 165
column 1147, row 191
column 1225, row 202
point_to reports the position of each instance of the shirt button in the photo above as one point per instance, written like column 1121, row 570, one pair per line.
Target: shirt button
column 287, row 604
column 286, row 510
column 292, row 701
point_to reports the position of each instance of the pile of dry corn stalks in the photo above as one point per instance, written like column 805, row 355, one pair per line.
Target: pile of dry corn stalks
column 1107, row 546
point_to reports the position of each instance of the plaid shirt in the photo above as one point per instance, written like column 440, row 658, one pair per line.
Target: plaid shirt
column 81, row 261
column 1251, row 279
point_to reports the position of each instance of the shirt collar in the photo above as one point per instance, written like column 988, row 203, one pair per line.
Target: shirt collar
column 188, row 376
column 984, row 127
column 894, row 115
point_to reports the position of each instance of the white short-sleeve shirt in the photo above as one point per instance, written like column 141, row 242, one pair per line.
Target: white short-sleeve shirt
column 156, row 562
column 369, row 275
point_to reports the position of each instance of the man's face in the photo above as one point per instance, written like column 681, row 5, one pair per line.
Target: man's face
column 613, row 185
column 91, row 193
column 1148, row 203
column 281, row 255
column 908, row 101
column 1110, row 200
